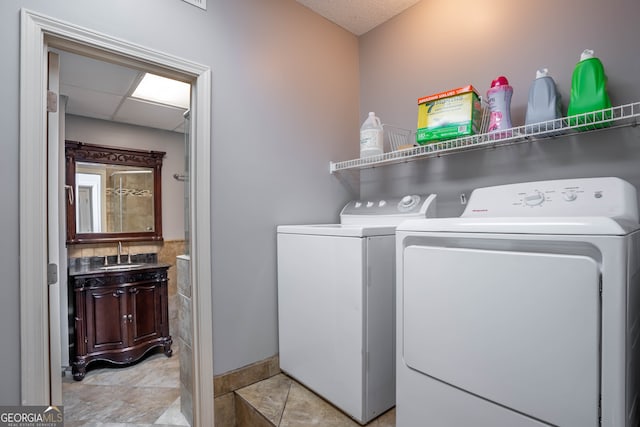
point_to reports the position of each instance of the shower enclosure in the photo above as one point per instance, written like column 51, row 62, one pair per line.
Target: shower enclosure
column 131, row 195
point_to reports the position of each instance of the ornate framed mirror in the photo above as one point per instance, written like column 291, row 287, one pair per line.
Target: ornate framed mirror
column 113, row 194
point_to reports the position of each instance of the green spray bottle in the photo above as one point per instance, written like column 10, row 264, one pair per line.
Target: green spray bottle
column 589, row 93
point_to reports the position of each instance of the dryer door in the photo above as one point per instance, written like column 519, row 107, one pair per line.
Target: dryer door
column 518, row 329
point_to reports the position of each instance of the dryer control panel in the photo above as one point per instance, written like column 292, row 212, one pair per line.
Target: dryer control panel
column 604, row 197
column 393, row 209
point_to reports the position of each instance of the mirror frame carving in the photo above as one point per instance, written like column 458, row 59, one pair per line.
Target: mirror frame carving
column 76, row 151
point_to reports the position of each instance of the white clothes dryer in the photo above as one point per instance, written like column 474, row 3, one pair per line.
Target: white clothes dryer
column 336, row 310
column 524, row 311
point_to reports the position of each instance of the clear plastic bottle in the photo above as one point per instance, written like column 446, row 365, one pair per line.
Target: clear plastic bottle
column 371, row 136
column 499, row 99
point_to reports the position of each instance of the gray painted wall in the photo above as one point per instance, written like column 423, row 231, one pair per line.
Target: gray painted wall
column 443, row 44
column 285, row 103
column 285, row 99
column 93, row 131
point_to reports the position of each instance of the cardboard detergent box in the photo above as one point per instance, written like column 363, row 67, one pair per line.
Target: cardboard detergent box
column 447, row 115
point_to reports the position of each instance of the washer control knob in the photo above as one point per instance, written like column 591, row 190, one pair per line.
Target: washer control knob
column 570, row 196
column 369, row 204
column 358, row 204
column 534, row 199
column 382, row 203
column 408, row 202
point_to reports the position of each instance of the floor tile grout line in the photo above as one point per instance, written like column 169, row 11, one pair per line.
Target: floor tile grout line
column 286, row 400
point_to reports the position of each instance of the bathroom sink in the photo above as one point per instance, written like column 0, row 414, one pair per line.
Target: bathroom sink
column 117, row 267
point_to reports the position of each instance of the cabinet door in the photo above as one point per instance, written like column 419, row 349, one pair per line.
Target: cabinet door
column 106, row 319
column 145, row 305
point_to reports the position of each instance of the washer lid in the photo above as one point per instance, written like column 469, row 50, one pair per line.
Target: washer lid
column 345, row 230
column 525, row 225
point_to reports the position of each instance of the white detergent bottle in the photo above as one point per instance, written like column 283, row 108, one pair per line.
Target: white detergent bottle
column 371, row 136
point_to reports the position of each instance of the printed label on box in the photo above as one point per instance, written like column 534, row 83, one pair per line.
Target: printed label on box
column 448, row 115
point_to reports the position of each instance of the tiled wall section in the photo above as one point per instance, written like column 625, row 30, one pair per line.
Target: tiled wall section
column 184, row 336
column 102, row 249
column 224, row 410
column 167, row 255
column 167, row 252
column 224, row 385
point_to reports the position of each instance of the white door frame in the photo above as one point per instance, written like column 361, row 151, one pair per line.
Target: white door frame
column 36, row 31
column 54, row 118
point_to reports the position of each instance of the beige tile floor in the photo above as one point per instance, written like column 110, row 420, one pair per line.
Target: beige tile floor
column 144, row 394
column 285, row 403
column 147, row 394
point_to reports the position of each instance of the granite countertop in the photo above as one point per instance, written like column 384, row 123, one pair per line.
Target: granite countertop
column 95, row 264
column 113, row 268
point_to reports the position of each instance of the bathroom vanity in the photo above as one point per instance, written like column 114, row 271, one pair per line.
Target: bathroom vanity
column 119, row 313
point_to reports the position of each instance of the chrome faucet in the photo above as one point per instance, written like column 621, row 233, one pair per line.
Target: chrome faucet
column 119, row 252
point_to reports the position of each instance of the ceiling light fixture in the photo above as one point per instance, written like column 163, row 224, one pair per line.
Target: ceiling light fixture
column 163, row 91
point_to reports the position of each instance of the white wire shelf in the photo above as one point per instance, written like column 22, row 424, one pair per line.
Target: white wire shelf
column 624, row 115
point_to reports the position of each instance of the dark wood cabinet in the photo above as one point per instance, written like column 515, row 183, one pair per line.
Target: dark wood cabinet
column 118, row 316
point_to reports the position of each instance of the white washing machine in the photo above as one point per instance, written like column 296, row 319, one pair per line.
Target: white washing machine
column 523, row 311
column 336, row 311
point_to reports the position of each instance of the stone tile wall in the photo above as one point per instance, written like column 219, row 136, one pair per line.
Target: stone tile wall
column 184, row 335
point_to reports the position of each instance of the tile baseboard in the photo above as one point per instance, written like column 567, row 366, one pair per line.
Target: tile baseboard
column 247, row 375
column 226, row 405
column 225, row 410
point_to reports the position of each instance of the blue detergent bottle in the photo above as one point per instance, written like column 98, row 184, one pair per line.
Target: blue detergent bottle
column 543, row 104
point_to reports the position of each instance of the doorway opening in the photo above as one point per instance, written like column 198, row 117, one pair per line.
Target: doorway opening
column 38, row 263
column 98, row 106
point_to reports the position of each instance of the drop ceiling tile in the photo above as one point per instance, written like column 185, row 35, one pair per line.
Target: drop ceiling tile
column 100, row 76
column 88, row 103
column 148, row 114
